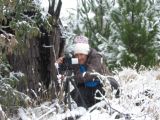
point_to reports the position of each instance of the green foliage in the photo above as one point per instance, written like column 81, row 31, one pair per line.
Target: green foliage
column 137, row 30
column 25, row 18
column 94, row 17
column 10, row 98
column 125, row 31
column 97, row 25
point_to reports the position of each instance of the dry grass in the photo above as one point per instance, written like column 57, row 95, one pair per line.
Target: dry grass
column 158, row 77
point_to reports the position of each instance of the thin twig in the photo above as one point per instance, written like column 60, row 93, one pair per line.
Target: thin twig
column 4, row 32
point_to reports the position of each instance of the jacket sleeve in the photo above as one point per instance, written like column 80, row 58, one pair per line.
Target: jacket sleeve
column 93, row 65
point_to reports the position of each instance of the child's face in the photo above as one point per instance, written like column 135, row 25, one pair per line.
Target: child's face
column 82, row 58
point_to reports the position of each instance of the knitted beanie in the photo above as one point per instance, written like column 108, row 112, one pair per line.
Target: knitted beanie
column 81, row 45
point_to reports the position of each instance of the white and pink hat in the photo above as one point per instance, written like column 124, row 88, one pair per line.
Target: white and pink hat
column 81, row 45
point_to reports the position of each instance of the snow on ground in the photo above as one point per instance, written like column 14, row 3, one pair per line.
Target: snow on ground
column 140, row 100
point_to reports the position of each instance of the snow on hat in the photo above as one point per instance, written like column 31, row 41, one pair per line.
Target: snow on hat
column 81, row 45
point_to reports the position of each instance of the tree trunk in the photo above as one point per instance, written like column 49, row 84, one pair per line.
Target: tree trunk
column 37, row 62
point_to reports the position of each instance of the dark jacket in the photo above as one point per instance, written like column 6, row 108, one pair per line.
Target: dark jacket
column 94, row 63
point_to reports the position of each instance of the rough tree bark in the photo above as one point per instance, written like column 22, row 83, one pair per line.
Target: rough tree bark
column 38, row 61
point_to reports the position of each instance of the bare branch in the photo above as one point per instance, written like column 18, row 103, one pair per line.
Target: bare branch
column 4, row 32
column 4, row 27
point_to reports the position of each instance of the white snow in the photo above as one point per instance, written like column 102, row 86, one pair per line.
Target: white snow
column 91, row 15
column 140, row 100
